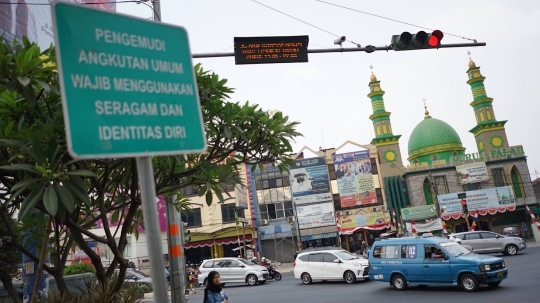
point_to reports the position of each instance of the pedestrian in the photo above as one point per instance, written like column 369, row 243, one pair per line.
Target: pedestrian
column 525, row 229
column 213, row 293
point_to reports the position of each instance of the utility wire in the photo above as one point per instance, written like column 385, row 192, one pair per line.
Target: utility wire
column 394, row 20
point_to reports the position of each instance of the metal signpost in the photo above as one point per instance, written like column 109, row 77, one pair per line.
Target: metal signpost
column 128, row 90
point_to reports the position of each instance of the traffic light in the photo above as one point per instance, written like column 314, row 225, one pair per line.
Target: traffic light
column 422, row 40
column 464, row 206
column 185, row 233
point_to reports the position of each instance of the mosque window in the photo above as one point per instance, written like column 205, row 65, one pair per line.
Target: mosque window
column 488, row 113
column 471, row 186
column 434, row 157
column 498, row 177
column 378, row 130
column 482, row 118
column 517, row 184
column 428, row 196
column 384, row 129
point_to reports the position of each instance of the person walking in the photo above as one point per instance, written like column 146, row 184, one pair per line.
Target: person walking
column 213, row 293
column 525, row 229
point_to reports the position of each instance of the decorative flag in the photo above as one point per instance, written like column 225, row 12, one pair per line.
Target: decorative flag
column 443, row 222
column 475, row 220
column 395, row 221
column 532, row 216
column 413, row 228
column 399, row 226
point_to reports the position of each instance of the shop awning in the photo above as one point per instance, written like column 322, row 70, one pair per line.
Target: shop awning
column 232, row 240
column 199, row 244
column 484, row 212
column 349, row 231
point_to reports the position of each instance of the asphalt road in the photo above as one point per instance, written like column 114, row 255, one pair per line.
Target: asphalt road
column 522, row 285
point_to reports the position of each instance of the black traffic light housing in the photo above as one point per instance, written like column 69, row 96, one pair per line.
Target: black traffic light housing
column 421, row 40
column 185, row 233
column 464, row 206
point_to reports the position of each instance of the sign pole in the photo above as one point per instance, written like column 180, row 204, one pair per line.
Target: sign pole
column 153, row 233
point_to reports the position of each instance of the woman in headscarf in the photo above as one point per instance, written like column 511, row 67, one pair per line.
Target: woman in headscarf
column 213, row 293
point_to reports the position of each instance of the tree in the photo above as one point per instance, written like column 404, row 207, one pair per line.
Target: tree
column 10, row 257
column 38, row 173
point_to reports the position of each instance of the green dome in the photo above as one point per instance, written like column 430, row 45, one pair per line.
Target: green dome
column 431, row 132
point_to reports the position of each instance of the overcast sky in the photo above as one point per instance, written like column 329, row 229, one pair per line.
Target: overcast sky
column 328, row 94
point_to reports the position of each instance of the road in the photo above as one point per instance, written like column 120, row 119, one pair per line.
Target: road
column 522, row 285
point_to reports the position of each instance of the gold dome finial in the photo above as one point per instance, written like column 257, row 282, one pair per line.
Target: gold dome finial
column 426, row 112
column 373, row 78
column 471, row 62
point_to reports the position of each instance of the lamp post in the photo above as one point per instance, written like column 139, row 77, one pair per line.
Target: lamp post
column 298, row 227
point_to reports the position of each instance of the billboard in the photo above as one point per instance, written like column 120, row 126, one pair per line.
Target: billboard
column 472, row 173
column 311, row 195
column 354, row 178
column 490, row 199
column 361, row 220
column 241, row 194
column 34, row 19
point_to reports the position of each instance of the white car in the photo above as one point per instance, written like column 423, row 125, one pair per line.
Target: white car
column 330, row 265
column 233, row 270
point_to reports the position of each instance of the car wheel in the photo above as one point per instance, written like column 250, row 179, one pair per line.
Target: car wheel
column 469, row 282
column 349, row 277
column 251, row 280
column 399, row 282
column 493, row 284
column 205, row 283
column 511, row 250
column 306, row 278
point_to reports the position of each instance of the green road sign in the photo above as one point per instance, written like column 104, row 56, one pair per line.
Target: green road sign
column 128, row 85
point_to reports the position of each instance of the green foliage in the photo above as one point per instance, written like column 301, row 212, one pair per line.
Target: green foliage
column 78, row 268
column 143, row 288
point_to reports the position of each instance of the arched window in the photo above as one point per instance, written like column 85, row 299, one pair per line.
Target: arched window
column 482, row 118
column 428, row 196
column 517, row 184
column 378, row 130
column 488, row 114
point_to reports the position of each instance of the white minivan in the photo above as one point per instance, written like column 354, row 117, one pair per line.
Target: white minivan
column 334, row 264
column 233, row 270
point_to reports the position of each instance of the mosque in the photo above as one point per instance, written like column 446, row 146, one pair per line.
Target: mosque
column 493, row 183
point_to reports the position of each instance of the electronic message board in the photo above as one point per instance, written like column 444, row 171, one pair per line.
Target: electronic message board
column 256, row 50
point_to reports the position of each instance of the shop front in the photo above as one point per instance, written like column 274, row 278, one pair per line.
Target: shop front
column 320, row 240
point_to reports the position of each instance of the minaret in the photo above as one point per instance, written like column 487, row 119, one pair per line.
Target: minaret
column 386, row 142
column 489, row 133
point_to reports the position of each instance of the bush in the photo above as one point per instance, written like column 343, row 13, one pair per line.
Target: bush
column 143, row 288
column 78, row 268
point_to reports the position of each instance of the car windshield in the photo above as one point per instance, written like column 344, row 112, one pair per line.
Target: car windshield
column 345, row 255
column 455, row 249
column 246, row 262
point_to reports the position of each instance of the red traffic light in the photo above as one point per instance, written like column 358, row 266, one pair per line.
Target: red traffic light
column 435, row 38
column 463, row 202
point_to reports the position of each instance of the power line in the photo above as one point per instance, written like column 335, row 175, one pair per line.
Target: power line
column 390, row 19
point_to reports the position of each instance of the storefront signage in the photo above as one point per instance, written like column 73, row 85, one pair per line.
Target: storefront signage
column 320, row 236
column 418, row 213
column 360, row 220
column 426, row 227
column 472, row 173
column 483, row 199
column 497, row 153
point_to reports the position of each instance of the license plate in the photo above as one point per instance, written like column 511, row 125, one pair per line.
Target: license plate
column 499, row 274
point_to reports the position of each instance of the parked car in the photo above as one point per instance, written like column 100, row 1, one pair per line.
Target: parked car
column 490, row 242
column 233, row 270
column 511, row 231
column 134, row 276
column 433, row 261
column 333, row 264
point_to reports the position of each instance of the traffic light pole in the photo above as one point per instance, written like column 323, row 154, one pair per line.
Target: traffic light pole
column 368, row 49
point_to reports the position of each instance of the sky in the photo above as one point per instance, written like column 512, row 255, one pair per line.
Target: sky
column 328, row 94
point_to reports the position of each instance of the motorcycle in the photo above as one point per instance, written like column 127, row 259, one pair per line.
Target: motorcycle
column 273, row 274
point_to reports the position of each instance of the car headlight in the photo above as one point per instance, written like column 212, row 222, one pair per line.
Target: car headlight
column 485, row 267
column 356, row 264
column 503, row 264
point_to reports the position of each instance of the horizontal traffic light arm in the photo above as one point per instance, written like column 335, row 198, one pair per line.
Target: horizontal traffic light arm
column 346, row 50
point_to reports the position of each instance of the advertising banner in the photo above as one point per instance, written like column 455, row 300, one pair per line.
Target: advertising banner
column 360, row 220
column 354, row 178
column 241, row 194
column 472, row 173
column 35, row 21
column 426, row 227
column 310, row 190
column 484, row 200
column 418, row 213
